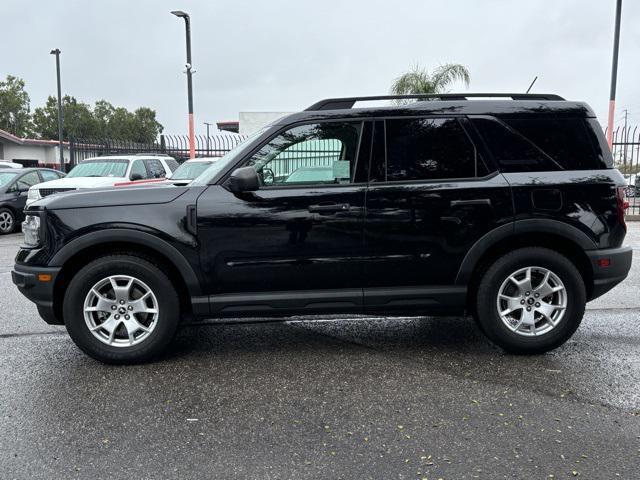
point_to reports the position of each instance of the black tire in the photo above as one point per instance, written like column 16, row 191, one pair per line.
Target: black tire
column 167, row 302
column 487, row 293
column 7, row 221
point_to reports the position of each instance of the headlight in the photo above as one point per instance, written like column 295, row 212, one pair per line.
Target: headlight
column 33, row 194
column 31, row 230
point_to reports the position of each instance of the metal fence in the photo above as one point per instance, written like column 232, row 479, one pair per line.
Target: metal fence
column 626, row 156
column 176, row 146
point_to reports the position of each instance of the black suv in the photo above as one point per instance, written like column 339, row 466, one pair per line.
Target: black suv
column 508, row 209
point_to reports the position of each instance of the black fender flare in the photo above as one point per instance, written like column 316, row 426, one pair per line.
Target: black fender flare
column 137, row 237
column 532, row 225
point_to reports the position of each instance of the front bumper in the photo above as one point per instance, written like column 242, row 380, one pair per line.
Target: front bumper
column 37, row 283
column 610, row 267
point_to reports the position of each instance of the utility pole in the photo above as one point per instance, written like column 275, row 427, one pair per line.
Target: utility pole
column 56, row 52
column 614, row 74
column 208, row 125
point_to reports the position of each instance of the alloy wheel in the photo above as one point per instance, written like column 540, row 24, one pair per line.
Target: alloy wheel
column 6, row 222
column 532, row 301
column 121, row 311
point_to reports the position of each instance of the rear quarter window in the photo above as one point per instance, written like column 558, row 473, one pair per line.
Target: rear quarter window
column 542, row 144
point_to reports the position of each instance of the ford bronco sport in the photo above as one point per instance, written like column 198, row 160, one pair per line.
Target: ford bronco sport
column 506, row 208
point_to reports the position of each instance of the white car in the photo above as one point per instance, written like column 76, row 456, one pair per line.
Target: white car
column 5, row 164
column 107, row 171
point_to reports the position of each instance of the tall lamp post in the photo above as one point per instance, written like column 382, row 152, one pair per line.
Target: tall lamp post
column 56, row 52
column 614, row 75
column 187, row 24
column 208, row 125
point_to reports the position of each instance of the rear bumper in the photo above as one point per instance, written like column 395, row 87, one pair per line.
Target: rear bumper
column 610, row 267
column 38, row 289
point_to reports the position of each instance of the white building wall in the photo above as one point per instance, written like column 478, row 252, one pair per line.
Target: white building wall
column 43, row 154
column 250, row 122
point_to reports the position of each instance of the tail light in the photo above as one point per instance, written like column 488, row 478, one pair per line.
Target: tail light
column 622, row 203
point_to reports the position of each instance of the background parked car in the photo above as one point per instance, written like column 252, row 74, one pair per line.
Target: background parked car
column 107, row 171
column 14, row 184
column 5, row 164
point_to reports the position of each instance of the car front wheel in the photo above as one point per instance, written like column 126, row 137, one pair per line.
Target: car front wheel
column 7, row 221
column 531, row 300
column 121, row 309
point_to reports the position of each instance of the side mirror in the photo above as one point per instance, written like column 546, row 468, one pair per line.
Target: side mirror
column 135, row 176
column 244, row 179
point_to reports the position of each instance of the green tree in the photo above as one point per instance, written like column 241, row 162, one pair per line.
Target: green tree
column 104, row 120
column 79, row 120
column 419, row 80
column 15, row 114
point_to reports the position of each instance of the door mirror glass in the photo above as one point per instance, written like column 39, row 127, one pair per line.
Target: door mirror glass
column 136, row 176
column 244, row 179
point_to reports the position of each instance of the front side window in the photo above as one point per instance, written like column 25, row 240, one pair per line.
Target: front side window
column 28, row 180
column 428, row 149
column 138, row 171
column 319, row 153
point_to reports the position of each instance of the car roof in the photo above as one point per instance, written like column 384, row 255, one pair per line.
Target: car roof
column 500, row 108
column 23, row 170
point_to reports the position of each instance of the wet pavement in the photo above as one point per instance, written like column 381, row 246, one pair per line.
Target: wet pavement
column 347, row 398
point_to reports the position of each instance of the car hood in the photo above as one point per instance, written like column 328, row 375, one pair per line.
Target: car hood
column 111, row 197
column 80, row 182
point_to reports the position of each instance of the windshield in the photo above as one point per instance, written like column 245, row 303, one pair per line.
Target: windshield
column 190, row 170
column 228, row 158
column 110, row 168
column 6, row 177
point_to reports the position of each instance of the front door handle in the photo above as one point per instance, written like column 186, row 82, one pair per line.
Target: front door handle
column 329, row 208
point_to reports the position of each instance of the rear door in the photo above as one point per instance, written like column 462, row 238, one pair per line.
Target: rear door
column 432, row 195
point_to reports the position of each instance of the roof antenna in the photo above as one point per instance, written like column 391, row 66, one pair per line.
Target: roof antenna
column 534, row 81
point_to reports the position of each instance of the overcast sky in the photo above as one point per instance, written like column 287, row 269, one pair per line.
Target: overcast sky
column 283, row 55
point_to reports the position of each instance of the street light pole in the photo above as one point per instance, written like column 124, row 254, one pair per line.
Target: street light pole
column 614, row 75
column 187, row 24
column 208, row 124
column 56, row 52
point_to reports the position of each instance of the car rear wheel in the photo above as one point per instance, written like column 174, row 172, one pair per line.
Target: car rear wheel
column 121, row 309
column 531, row 300
column 7, row 221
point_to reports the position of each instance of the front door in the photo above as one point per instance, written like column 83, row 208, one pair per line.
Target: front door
column 296, row 243
column 431, row 197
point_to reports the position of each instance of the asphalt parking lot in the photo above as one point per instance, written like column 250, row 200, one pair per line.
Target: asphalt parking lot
column 357, row 398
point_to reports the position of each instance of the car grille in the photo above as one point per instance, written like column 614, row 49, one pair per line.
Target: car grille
column 45, row 192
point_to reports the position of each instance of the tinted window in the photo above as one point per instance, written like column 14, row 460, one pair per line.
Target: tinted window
column 156, row 170
column 48, row 175
column 310, row 154
column 428, row 149
column 566, row 140
column 512, row 151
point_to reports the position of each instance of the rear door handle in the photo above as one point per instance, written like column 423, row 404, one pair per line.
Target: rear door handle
column 478, row 201
column 329, row 208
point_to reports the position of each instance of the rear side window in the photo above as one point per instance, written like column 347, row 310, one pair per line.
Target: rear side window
column 156, row 170
column 565, row 140
column 541, row 144
column 428, row 149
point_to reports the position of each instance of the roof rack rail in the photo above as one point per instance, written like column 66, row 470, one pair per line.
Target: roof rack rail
column 151, row 154
column 348, row 102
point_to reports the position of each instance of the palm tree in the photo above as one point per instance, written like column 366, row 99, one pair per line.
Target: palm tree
column 418, row 80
